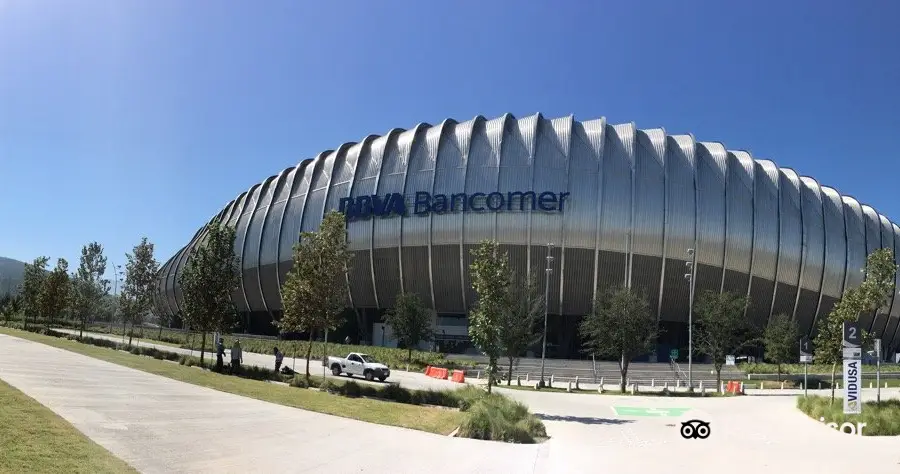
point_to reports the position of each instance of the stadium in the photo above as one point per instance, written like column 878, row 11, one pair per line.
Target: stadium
column 621, row 206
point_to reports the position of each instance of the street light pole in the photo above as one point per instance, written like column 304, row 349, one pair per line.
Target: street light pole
column 548, row 270
column 689, row 276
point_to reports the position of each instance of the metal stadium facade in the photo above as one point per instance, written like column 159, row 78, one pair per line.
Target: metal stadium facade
column 620, row 205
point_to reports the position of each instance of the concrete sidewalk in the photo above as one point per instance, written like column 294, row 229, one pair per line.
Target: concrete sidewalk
column 159, row 425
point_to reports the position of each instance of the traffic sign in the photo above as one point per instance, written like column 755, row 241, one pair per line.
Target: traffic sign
column 673, row 354
column 806, row 359
column 853, row 353
column 852, row 335
column 806, row 347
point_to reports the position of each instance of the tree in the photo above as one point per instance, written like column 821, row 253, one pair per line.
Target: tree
column 32, row 283
column 140, row 283
column 782, row 340
column 315, row 289
column 872, row 294
column 88, row 285
column 519, row 322
column 620, row 325
column 410, row 321
column 491, row 279
column 210, row 277
column 721, row 327
column 10, row 305
column 56, row 292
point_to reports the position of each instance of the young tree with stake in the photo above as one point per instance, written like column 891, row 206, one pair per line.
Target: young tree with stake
column 410, row 321
column 620, row 325
column 55, row 293
column 519, row 323
column 208, row 280
column 315, row 291
column 31, row 287
column 88, row 285
column 140, row 283
column 782, row 340
column 870, row 295
column 491, row 279
column 721, row 327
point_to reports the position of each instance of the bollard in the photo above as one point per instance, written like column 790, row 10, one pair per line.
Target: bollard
column 601, row 381
column 576, row 383
column 632, row 388
column 666, row 386
column 478, row 374
column 652, row 382
column 600, row 389
column 551, row 381
column 742, row 387
column 837, row 385
column 519, row 380
column 526, row 377
column 678, row 383
column 782, row 384
column 870, row 384
column 885, row 385
column 569, row 387
column 820, row 385
column 537, row 385
column 722, row 388
column 701, row 387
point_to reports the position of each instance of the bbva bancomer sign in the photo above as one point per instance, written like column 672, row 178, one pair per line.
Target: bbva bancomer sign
column 424, row 203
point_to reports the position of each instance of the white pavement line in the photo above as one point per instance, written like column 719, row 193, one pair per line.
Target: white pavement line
column 159, row 425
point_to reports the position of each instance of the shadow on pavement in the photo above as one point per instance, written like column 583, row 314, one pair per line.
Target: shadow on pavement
column 586, row 420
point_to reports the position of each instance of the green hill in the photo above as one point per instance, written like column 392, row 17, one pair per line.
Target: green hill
column 11, row 272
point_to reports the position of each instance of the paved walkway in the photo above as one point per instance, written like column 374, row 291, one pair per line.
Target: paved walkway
column 159, row 425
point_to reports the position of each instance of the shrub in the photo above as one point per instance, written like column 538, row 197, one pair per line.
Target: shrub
column 299, row 382
column 881, row 419
column 351, row 389
column 468, row 396
column 395, row 392
column 328, row 386
column 498, row 418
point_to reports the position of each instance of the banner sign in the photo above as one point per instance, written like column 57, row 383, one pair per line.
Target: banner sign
column 425, row 203
column 852, row 387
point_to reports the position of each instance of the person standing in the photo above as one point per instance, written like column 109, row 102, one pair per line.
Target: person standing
column 279, row 356
column 220, row 354
column 236, row 357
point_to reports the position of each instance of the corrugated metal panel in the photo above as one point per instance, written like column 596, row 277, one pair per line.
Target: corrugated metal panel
column 881, row 315
column 293, row 215
column 649, row 214
column 595, row 132
column 250, row 262
column 813, row 256
column 615, row 226
column 790, row 237
column 892, row 331
column 681, row 218
column 414, row 236
column 765, row 241
column 553, row 157
column 267, row 255
column 873, row 243
column 581, row 215
column 856, row 242
column 711, row 172
column 739, row 228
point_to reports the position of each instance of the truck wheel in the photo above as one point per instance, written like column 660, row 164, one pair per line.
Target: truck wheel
column 335, row 370
column 382, row 379
column 370, row 376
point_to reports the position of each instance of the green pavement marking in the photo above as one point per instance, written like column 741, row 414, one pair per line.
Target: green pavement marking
column 644, row 411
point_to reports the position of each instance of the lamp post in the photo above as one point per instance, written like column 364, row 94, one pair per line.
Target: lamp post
column 689, row 276
column 548, row 270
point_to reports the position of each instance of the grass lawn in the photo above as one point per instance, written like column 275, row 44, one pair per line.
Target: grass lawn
column 434, row 420
column 814, row 369
column 881, row 419
column 34, row 439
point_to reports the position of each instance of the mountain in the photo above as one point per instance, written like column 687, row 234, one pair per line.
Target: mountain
column 11, row 272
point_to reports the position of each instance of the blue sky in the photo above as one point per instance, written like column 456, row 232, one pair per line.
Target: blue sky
column 123, row 119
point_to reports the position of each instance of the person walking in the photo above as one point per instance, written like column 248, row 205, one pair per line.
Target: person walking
column 236, row 357
column 220, row 354
column 279, row 356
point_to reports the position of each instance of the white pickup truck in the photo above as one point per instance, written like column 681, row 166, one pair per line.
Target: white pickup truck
column 358, row 364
